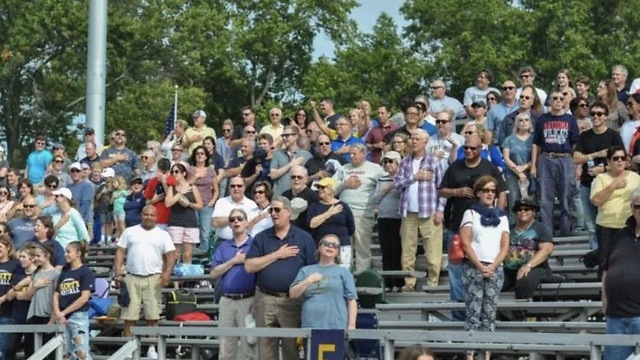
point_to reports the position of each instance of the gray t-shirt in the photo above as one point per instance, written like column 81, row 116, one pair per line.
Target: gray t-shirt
column 21, row 231
column 519, row 151
column 41, row 301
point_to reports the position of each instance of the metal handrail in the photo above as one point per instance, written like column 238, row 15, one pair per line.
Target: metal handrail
column 55, row 344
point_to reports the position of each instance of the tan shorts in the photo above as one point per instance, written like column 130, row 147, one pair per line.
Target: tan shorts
column 143, row 290
column 181, row 235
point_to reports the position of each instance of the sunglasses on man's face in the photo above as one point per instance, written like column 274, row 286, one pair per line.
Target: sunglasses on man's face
column 276, row 210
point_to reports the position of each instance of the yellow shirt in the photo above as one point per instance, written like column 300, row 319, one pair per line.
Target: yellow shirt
column 617, row 209
column 193, row 132
column 275, row 132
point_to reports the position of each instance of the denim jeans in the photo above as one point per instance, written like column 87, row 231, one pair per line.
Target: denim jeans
column 456, row 290
column 4, row 337
column 204, row 224
column 76, row 335
column 621, row 326
column 590, row 213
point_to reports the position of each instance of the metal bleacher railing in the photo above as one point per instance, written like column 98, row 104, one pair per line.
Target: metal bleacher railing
column 54, row 345
column 560, row 344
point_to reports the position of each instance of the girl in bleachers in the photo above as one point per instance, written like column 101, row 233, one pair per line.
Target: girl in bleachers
column 118, row 198
column 71, row 301
column 20, row 282
column 8, row 267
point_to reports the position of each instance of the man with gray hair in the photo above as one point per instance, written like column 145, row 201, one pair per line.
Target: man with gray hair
column 357, row 182
column 299, row 189
column 619, row 75
column 149, row 166
column 439, row 101
column 275, row 128
column 527, row 77
column 284, row 160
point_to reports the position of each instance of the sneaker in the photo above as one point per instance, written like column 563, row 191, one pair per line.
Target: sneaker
column 151, row 353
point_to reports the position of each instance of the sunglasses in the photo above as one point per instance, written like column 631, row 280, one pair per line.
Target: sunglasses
column 636, row 207
column 276, row 210
column 437, row 87
column 524, row 97
column 505, row 88
column 387, row 161
column 438, row 121
column 471, row 148
column 176, row 172
column 121, row 134
column 4, row 193
column 226, row 130
column 28, row 206
column 297, row 177
column 492, row 99
column 489, row 191
column 233, row 219
column 144, row 157
column 584, row 106
column 524, row 120
column 320, row 187
column 176, row 150
column 619, row 158
column 58, row 161
column 597, row 113
column 469, row 132
column 39, row 143
column 52, row 186
column 74, row 170
column 324, row 143
column 525, row 209
column 235, row 186
column 525, row 76
column 261, row 192
column 557, row 98
column 331, row 244
column 275, row 115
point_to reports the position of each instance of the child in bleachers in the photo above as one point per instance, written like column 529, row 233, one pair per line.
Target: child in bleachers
column 118, row 198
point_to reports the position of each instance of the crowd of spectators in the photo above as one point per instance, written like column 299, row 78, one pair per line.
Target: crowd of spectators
column 306, row 189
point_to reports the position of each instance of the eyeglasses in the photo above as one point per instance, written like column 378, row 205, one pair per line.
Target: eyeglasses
column 557, row 98
column 524, row 97
column 331, row 244
column 28, row 206
column 284, row 136
column 508, row 88
column 176, row 150
column 198, row 153
column 39, row 142
column 297, row 177
column 276, row 210
column 388, row 161
column 489, row 191
column 226, row 130
column 144, row 157
column 324, row 143
column 235, row 186
column 4, row 193
column 597, row 113
column 121, row 134
column 261, row 192
column 233, row 219
column 471, row 148
column 275, row 115
column 469, row 132
column 492, row 99
column 437, row 87
column 619, row 158
column 525, row 76
column 525, row 209
column 175, row 172
column 440, row 121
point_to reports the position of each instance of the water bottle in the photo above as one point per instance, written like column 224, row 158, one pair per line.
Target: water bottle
column 590, row 163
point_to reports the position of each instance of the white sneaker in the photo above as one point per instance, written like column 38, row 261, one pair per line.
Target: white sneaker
column 151, row 353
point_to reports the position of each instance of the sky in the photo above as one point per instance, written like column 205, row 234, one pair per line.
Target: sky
column 365, row 15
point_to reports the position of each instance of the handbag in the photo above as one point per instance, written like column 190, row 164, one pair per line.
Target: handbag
column 182, row 269
column 178, row 302
column 456, row 252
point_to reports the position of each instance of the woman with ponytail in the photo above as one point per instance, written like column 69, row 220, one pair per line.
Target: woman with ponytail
column 484, row 232
column 71, row 301
column 8, row 267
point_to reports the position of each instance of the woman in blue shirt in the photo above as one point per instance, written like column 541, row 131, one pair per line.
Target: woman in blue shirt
column 71, row 301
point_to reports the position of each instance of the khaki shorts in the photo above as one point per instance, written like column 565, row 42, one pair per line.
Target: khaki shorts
column 143, row 290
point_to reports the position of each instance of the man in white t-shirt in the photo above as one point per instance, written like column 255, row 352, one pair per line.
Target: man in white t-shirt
column 150, row 258
column 223, row 207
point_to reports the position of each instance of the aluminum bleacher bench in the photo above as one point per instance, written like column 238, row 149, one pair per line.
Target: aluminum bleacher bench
column 524, row 326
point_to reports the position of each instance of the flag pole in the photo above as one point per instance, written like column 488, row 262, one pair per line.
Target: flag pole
column 175, row 104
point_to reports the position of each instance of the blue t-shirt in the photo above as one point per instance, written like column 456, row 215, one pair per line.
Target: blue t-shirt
column 20, row 307
column 429, row 127
column 37, row 163
column 71, row 284
column 556, row 133
column 122, row 168
column 21, row 231
column 324, row 303
column 277, row 276
column 236, row 280
column 339, row 144
column 58, row 251
column 519, row 151
column 7, row 269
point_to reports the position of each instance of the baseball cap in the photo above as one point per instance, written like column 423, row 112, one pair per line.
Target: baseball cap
column 108, row 172
column 76, row 165
column 328, row 182
column 479, row 103
column 393, row 155
column 64, row 192
column 199, row 113
column 89, row 131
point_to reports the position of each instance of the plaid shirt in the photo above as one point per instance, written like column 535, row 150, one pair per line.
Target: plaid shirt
column 428, row 200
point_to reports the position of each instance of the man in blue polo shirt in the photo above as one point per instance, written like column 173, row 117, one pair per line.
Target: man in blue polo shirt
column 554, row 136
column 276, row 255
column 238, row 287
column 342, row 144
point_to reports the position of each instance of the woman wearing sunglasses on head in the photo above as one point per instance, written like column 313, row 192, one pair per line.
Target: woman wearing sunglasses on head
column 328, row 290
column 184, row 200
column 610, row 193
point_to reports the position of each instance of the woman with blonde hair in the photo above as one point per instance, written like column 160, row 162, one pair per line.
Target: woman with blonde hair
column 400, row 144
column 175, row 138
column 516, row 151
column 328, row 290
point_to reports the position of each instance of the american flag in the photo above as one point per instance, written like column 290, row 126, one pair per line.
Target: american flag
column 170, row 122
